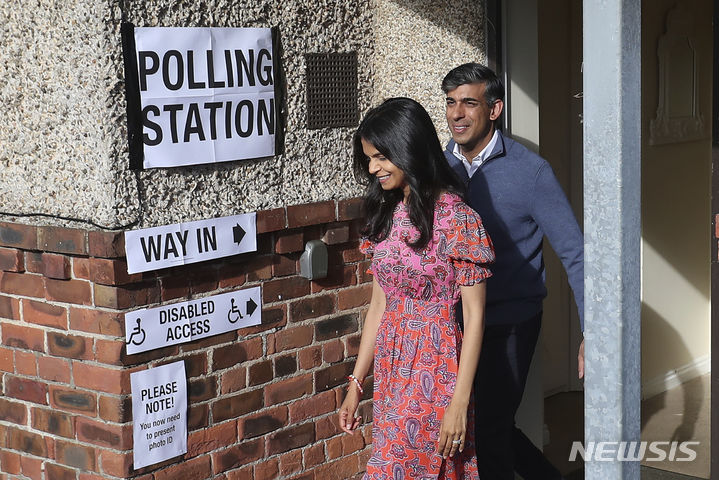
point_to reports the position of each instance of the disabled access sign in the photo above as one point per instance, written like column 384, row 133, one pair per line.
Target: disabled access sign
column 153, row 328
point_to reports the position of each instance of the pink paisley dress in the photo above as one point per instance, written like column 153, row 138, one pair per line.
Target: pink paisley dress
column 418, row 341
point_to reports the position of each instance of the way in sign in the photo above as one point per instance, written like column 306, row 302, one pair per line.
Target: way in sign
column 174, row 244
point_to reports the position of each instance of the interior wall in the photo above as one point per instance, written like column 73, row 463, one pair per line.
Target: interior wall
column 523, row 125
column 560, row 143
column 522, row 72
column 675, row 215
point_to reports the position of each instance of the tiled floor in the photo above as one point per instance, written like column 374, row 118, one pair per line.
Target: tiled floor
column 676, row 415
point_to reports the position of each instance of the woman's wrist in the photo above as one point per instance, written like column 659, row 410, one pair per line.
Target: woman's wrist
column 355, row 384
column 460, row 400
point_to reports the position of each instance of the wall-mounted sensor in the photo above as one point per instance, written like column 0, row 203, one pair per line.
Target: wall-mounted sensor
column 313, row 262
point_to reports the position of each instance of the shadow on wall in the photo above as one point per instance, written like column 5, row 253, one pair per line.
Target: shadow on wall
column 440, row 14
column 679, row 411
column 692, row 392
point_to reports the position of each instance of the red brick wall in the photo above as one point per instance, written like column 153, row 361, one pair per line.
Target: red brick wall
column 262, row 400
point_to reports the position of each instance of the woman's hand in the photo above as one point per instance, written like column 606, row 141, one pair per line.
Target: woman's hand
column 347, row 419
column 453, row 430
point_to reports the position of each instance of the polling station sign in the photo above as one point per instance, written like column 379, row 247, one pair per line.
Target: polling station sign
column 158, row 327
column 159, row 414
column 200, row 94
column 190, row 242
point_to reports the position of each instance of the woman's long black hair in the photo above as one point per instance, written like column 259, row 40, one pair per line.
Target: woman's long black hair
column 402, row 131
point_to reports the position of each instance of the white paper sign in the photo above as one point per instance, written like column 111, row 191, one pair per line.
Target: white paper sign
column 152, row 328
column 207, row 94
column 159, row 414
column 191, row 242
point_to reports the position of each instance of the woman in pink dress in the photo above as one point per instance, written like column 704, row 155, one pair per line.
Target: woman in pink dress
column 428, row 249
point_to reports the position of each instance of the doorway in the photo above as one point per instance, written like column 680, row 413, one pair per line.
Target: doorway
column 678, row 277
column 676, row 202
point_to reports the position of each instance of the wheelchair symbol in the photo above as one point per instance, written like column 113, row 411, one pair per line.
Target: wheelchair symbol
column 139, row 331
column 234, row 314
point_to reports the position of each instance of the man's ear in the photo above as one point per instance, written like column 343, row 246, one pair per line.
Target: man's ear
column 496, row 110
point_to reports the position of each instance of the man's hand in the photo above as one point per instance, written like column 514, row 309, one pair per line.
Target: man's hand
column 580, row 359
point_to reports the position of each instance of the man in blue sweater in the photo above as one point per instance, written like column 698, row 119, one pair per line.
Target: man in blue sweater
column 519, row 199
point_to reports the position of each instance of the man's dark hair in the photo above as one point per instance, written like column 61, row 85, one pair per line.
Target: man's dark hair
column 475, row 73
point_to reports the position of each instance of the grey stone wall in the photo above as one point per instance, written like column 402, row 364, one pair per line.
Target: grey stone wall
column 62, row 138
column 63, row 144
column 418, row 41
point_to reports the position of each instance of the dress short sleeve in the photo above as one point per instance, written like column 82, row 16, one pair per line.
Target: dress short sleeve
column 469, row 247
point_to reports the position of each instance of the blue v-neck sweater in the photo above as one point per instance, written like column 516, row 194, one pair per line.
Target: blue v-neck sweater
column 520, row 200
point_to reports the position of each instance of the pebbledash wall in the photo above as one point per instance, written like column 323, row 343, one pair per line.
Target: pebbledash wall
column 262, row 399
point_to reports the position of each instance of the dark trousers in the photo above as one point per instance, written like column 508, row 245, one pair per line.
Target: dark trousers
column 504, row 364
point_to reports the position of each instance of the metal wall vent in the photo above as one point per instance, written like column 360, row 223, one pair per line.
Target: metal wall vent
column 331, row 90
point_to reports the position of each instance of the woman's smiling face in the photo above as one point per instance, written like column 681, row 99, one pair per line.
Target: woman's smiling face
column 387, row 173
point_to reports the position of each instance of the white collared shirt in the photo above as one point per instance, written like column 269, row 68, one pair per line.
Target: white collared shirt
column 479, row 159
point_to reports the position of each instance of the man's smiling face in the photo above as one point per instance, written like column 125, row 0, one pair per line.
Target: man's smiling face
column 470, row 119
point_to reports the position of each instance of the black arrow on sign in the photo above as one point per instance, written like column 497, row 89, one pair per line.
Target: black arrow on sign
column 251, row 307
column 238, row 233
